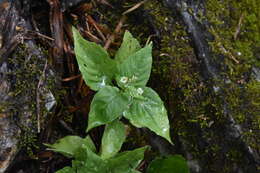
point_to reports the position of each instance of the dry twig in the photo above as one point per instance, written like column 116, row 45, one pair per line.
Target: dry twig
column 71, row 78
column 134, row 7
column 38, row 100
column 239, row 26
column 222, row 47
column 118, row 28
column 93, row 22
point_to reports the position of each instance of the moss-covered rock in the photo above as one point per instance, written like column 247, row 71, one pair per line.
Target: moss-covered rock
column 217, row 129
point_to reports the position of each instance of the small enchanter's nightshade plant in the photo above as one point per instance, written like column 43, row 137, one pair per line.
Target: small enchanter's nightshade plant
column 130, row 98
column 131, row 70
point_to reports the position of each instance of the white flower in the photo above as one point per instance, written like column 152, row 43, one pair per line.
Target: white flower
column 124, row 79
column 140, row 91
column 134, row 77
column 103, row 83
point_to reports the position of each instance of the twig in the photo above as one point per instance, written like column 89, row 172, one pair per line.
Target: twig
column 120, row 23
column 1, row 41
column 56, row 26
column 38, row 100
column 222, row 47
column 34, row 24
column 239, row 26
column 41, row 35
column 71, row 78
column 134, row 7
column 92, row 37
column 93, row 22
column 66, row 126
column 80, row 84
column 44, row 36
column 105, row 3
column 112, row 36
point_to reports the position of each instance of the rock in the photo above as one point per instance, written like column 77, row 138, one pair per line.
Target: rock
column 23, row 87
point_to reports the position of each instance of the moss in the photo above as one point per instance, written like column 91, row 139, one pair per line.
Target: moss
column 234, row 26
column 28, row 141
column 194, row 107
column 195, row 112
column 26, row 71
column 175, row 73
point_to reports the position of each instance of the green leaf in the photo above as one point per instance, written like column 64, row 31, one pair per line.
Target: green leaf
column 89, row 143
column 135, row 70
column 112, row 139
column 136, row 93
column 107, row 105
column 149, row 112
column 96, row 66
column 126, row 162
column 70, row 144
column 129, row 46
column 172, row 164
column 86, row 161
column 66, row 169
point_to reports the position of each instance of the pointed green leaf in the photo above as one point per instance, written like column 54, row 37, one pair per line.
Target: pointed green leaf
column 128, row 47
column 96, row 66
column 136, row 93
column 88, row 161
column 135, row 171
column 136, row 69
column 173, row 164
column 87, row 141
column 107, row 105
column 149, row 112
column 126, row 162
column 70, row 144
column 66, row 169
column 112, row 139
